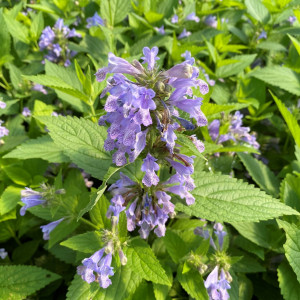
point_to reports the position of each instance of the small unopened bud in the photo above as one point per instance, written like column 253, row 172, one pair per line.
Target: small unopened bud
column 228, row 276
column 183, row 70
column 160, row 86
column 109, row 247
column 60, row 191
column 123, row 258
column 172, row 215
column 202, row 268
column 138, row 65
column 114, row 222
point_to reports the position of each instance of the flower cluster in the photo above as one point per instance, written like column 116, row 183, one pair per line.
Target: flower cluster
column 218, row 281
column 236, row 131
column 55, row 41
column 143, row 118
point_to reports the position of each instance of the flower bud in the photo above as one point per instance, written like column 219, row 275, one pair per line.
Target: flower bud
column 123, row 258
column 202, row 268
column 109, row 247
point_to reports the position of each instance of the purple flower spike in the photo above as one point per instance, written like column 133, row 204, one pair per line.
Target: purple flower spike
column 149, row 166
column 2, row 104
column 150, row 57
column 192, row 17
column 95, row 20
column 30, row 198
column 46, row 229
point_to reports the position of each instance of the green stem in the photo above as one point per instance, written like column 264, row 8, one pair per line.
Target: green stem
column 14, row 235
column 89, row 223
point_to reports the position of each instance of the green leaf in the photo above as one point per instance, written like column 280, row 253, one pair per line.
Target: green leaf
column 42, row 147
column 261, row 174
column 4, row 38
column 88, row 242
column 234, row 65
column 288, row 283
column 257, row 10
column 18, row 175
column 142, row 260
column 16, row 29
column 292, row 245
column 9, row 199
column 18, row 282
column 175, row 245
column 193, row 283
column 98, row 212
column 279, row 76
column 290, row 120
column 57, row 84
column 37, row 25
column 82, row 141
column 222, row 198
column 114, row 11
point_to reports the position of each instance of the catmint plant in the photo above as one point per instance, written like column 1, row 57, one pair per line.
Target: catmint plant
column 143, row 115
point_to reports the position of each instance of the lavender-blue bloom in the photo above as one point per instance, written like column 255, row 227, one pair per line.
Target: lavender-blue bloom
column 30, row 198
column 39, row 88
column 263, row 35
column 220, row 234
column 26, row 112
column 149, row 166
column 216, row 285
column 116, row 206
column 292, row 20
column 184, row 34
column 160, row 30
column 3, row 130
column 46, row 229
column 3, row 253
column 174, row 19
column 188, row 57
column 211, row 21
column 2, row 104
column 150, row 57
column 192, row 17
column 97, row 268
column 95, row 20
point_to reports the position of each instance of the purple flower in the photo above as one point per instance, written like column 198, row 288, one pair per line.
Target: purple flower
column 150, row 57
column 169, row 136
column 183, row 70
column 26, row 112
column 46, row 229
column 192, row 17
column 292, row 20
column 116, row 206
column 30, row 198
column 188, row 57
column 95, row 20
column 97, row 268
column 214, row 128
column 184, row 34
column 40, row 88
column 2, row 104
column 263, row 35
column 174, row 19
column 211, row 21
column 3, row 253
column 3, row 130
column 220, row 234
column 217, row 286
column 149, row 166
column 160, row 30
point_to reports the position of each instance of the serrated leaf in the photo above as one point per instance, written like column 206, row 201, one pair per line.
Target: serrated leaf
column 257, row 10
column 193, row 284
column 222, row 198
column 175, row 245
column 88, row 242
column 98, row 212
column 141, row 259
column 9, row 199
column 290, row 120
column 114, row 11
column 42, row 147
column 82, row 141
column 261, row 174
column 288, row 283
column 18, row 282
column 282, row 77
column 292, row 245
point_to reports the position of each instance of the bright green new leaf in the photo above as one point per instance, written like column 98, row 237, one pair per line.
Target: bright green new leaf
column 257, row 10
column 9, row 199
